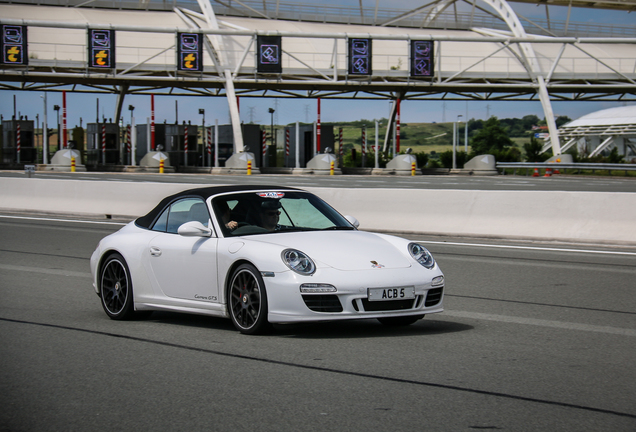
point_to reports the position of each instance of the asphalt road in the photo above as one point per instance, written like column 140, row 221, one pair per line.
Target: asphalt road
column 534, row 338
column 508, row 182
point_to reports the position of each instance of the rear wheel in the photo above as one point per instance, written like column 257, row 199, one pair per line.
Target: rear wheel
column 248, row 300
column 116, row 288
column 400, row 321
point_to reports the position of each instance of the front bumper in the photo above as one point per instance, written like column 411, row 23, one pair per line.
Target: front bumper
column 287, row 304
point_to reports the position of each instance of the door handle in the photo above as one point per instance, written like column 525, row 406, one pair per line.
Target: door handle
column 155, row 251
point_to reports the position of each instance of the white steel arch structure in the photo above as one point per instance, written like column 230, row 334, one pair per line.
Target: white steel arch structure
column 529, row 59
column 480, row 64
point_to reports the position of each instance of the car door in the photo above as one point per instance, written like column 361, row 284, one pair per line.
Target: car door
column 183, row 267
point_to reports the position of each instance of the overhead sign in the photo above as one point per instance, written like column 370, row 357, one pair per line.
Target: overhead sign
column 269, row 51
column 14, row 45
column 360, row 57
column 422, row 59
column 189, row 52
column 101, row 48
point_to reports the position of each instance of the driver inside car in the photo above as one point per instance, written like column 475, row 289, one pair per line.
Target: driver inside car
column 269, row 212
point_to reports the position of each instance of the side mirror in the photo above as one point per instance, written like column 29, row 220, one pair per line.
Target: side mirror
column 194, row 229
column 353, row 221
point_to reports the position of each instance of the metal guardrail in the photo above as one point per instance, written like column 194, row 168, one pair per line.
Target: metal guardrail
column 565, row 166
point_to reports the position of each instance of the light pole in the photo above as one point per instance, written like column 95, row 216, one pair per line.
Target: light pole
column 130, row 138
column 271, row 111
column 57, row 109
column 45, row 135
column 203, row 137
column 455, row 142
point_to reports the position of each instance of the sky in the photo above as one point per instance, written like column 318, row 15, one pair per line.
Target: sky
column 83, row 107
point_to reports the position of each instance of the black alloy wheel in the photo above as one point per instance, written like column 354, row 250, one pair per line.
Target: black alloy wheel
column 116, row 288
column 248, row 301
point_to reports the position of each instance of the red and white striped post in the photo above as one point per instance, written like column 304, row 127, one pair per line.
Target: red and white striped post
column 340, row 146
column 264, row 142
column 364, row 140
column 185, row 145
column 128, row 144
column 286, row 142
column 104, row 143
column 209, row 146
column 18, row 138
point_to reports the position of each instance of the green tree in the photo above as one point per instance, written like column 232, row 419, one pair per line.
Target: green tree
column 561, row 120
column 529, row 120
column 491, row 138
column 533, row 150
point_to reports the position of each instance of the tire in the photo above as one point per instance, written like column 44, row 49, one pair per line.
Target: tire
column 116, row 290
column 247, row 301
column 400, row 321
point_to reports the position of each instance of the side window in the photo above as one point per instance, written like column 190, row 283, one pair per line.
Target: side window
column 180, row 212
column 162, row 221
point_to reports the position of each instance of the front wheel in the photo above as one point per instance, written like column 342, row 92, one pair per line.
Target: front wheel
column 400, row 321
column 248, row 301
column 116, row 288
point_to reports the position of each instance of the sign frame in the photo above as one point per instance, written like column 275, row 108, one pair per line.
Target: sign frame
column 360, row 56
column 101, row 48
column 422, row 59
column 189, row 52
column 14, row 41
column 269, row 54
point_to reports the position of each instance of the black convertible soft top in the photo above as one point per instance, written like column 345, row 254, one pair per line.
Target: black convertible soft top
column 204, row 193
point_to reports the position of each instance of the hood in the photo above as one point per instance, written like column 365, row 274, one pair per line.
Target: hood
column 342, row 250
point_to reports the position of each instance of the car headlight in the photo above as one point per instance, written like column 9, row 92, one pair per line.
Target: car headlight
column 298, row 261
column 421, row 255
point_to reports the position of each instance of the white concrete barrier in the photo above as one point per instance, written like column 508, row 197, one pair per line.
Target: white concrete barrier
column 599, row 217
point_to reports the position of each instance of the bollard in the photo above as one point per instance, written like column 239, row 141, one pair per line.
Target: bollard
column 29, row 170
column 160, row 166
column 72, row 163
column 331, row 168
column 249, row 167
column 412, row 168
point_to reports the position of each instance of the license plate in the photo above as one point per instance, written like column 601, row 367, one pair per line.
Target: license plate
column 387, row 294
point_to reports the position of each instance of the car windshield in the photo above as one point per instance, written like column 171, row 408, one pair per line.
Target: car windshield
column 251, row 213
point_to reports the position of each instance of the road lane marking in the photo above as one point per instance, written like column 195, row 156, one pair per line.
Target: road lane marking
column 535, row 248
column 541, row 323
column 63, row 220
column 56, row 272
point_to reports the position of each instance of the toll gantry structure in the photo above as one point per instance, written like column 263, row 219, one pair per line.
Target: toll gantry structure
column 442, row 50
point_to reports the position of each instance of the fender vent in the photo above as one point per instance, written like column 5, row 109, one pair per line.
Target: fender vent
column 433, row 297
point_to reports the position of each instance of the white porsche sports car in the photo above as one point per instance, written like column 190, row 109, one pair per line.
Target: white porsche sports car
column 262, row 255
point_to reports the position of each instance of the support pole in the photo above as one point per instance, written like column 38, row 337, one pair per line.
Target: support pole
column 297, row 145
column 45, row 135
column 64, row 133
column 133, row 142
column 377, row 146
column 234, row 112
column 549, row 116
column 318, row 129
column 152, row 122
column 216, row 143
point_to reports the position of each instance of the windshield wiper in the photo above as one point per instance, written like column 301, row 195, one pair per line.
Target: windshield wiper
column 338, row 228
